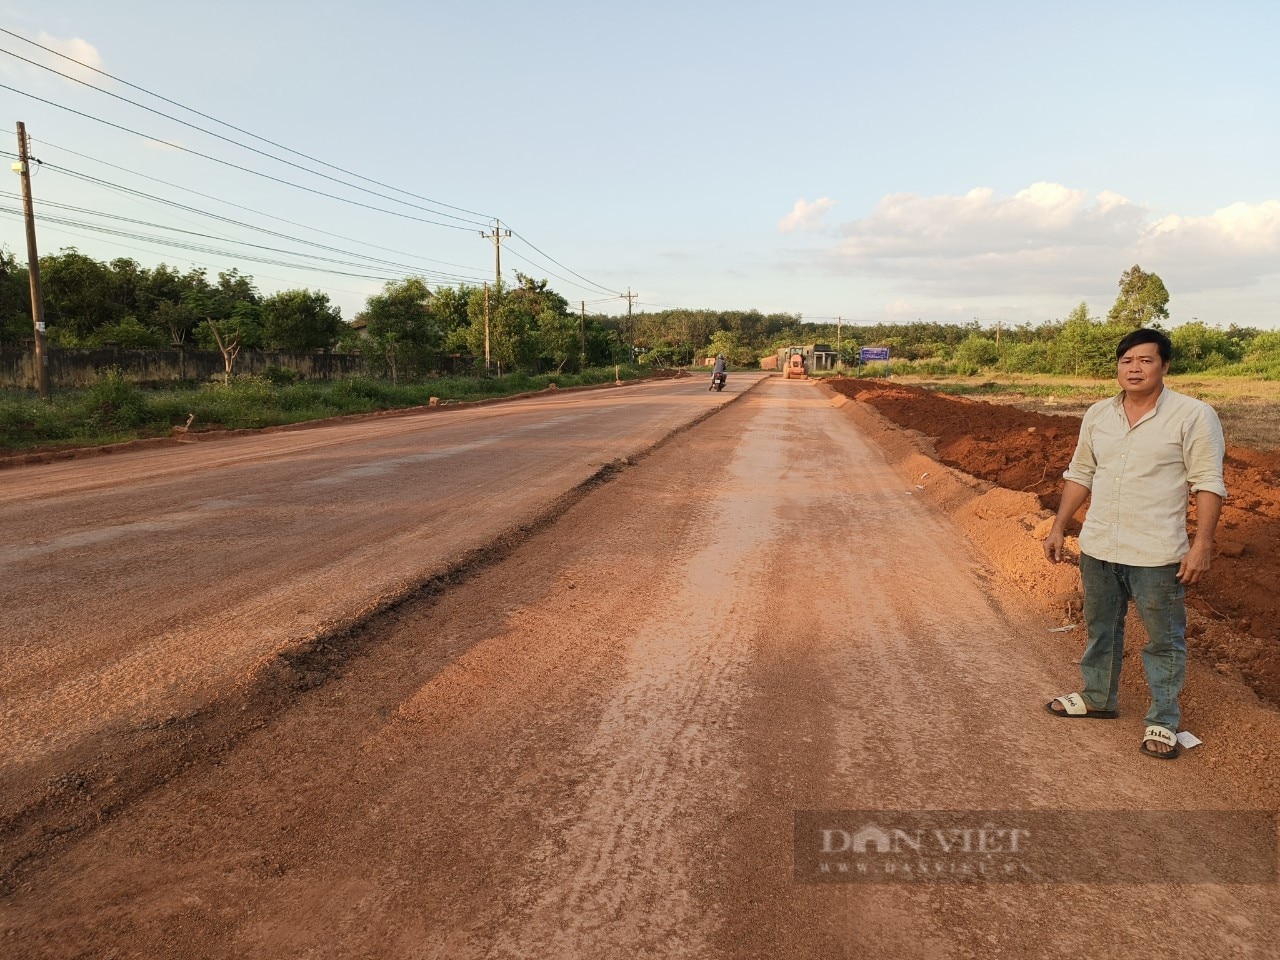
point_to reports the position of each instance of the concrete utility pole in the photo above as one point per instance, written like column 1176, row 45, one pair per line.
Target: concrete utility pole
column 497, row 237
column 33, row 264
column 839, row 324
column 582, row 334
column 486, row 328
column 631, row 330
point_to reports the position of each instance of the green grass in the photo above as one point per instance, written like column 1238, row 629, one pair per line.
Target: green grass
column 992, row 388
column 115, row 410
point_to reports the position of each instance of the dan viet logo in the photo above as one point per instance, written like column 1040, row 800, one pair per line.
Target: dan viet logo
column 1035, row 846
column 916, row 850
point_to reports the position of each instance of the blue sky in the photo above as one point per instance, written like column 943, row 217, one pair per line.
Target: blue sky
column 874, row 161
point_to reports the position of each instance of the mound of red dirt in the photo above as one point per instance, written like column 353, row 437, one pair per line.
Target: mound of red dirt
column 1027, row 451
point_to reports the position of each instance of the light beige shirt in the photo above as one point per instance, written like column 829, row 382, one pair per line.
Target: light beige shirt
column 1139, row 477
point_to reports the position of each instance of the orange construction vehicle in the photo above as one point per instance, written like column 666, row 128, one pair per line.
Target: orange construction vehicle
column 794, row 368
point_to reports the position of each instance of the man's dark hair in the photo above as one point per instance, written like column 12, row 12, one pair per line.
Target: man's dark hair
column 1147, row 335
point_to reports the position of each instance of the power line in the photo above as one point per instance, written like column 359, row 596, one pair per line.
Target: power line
column 214, row 216
column 206, row 196
column 232, row 126
column 228, row 163
column 213, row 266
column 591, row 284
column 202, row 248
column 370, row 262
column 235, row 143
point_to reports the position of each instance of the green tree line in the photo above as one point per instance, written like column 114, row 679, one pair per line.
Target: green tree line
column 408, row 330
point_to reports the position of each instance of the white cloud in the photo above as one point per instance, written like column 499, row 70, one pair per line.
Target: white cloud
column 77, row 49
column 806, row 216
column 1054, row 240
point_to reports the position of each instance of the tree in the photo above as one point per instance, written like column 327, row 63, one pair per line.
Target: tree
column 528, row 324
column 230, row 347
column 176, row 318
column 1143, row 299
column 300, row 320
column 15, row 299
column 77, row 293
column 449, row 307
column 976, row 352
column 401, row 326
column 1197, row 347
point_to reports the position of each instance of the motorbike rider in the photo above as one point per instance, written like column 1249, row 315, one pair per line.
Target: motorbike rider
column 721, row 368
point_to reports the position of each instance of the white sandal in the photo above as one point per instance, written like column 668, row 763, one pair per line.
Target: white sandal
column 1160, row 735
column 1074, row 708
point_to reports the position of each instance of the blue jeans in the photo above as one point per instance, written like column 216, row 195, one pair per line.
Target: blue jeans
column 1161, row 600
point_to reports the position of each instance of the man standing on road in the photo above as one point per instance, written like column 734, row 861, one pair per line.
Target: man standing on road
column 1136, row 457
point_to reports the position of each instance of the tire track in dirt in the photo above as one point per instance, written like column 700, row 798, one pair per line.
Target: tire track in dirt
column 576, row 752
column 231, row 688
column 621, row 876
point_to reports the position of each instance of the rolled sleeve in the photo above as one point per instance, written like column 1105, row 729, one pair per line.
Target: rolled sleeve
column 1083, row 464
column 1205, row 448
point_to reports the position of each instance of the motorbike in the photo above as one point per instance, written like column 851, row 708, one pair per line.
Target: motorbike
column 718, row 380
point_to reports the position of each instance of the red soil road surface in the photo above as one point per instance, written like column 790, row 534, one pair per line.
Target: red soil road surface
column 588, row 741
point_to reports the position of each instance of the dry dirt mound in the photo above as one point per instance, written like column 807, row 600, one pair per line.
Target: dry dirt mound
column 1025, row 451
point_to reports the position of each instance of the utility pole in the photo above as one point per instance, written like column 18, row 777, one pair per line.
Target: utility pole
column 582, row 334
column 497, row 237
column 997, row 321
column 631, row 330
column 33, row 264
column 486, row 328
column 839, row 324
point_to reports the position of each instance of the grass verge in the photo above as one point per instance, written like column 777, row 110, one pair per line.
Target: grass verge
column 115, row 410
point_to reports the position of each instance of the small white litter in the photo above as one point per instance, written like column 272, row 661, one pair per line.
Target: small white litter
column 1188, row 740
column 1069, row 626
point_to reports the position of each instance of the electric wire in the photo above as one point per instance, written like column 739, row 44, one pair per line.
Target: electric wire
column 233, row 166
column 543, row 269
column 591, row 284
column 214, row 266
column 218, row 217
column 229, row 203
column 231, row 126
column 237, row 143
column 368, row 262
column 202, row 248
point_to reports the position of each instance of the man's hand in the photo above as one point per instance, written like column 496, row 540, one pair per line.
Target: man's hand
column 1196, row 563
column 1073, row 497
column 1054, row 551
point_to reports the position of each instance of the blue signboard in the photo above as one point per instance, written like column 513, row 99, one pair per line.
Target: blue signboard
column 873, row 353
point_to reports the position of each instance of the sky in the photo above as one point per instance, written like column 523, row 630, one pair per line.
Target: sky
column 876, row 162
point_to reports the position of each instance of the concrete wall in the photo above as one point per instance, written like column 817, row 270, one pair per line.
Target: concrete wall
column 77, row 367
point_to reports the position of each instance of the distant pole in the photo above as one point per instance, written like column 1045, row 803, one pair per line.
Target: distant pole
column 631, row 330
column 582, row 334
column 486, row 328
column 33, row 264
column 839, row 324
column 497, row 237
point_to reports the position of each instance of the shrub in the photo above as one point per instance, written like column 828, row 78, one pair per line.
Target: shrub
column 281, row 376
column 113, row 404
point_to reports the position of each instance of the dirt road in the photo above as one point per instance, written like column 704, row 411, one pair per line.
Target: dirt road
column 593, row 742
